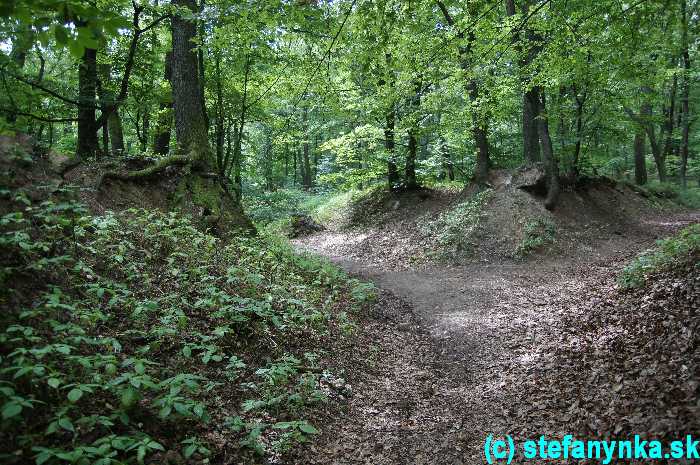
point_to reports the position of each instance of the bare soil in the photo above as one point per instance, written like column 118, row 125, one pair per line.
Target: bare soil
column 453, row 353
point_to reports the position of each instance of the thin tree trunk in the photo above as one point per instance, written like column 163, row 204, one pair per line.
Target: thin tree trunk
column 410, row 175
column 448, row 170
column 479, row 123
column 550, row 162
column 161, row 141
column 640, row 167
column 580, row 102
column 219, row 128
column 306, row 168
column 645, row 114
column 670, row 117
column 685, row 93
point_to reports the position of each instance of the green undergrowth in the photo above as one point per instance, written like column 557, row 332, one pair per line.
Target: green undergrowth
column 669, row 192
column 450, row 233
column 132, row 337
column 668, row 252
column 537, row 234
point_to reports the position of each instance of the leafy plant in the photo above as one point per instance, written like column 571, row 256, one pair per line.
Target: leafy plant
column 450, row 233
column 537, row 234
column 669, row 251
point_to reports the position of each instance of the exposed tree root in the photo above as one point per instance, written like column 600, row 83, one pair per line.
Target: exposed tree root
column 160, row 165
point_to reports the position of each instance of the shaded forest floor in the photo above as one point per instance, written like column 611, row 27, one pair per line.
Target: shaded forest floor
column 545, row 346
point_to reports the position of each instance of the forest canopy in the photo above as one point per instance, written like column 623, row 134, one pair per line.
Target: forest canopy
column 338, row 94
column 182, row 183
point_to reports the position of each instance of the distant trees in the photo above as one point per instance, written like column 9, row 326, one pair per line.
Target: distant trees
column 353, row 93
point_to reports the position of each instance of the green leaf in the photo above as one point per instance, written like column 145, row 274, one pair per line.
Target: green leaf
column 139, row 368
column 129, row 397
column 66, row 424
column 76, row 48
column 61, row 34
column 307, row 428
column 74, row 395
column 189, row 450
column 11, row 409
column 54, row 382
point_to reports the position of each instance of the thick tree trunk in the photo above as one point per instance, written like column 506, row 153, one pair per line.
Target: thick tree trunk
column 550, row 162
column 190, row 122
column 206, row 196
column 532, row 97
column 87, row 90
column 531, row 140
column 640, row 167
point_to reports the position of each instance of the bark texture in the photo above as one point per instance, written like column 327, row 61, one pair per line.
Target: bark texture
column 87, row 91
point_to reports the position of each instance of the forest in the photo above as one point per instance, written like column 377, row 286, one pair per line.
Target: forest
column 346, row 231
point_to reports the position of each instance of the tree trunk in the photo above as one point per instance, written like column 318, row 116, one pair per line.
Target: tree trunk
column 531, row 141
column 685, row 93
column 306, row 167
column 645, row 114
column 114, row 121
column 219, row 128
column 161, row 141
column 670, row 117
column 206, row 196
column 580, row 102
column 532, row 96
column 296, row 168
column 190, row 122
column 390, row 146
column 640, row 167
column 87, row 90
column 479, row 124
column 479, row 131
column 550, row 162
column 448, row 170
column 410, row 176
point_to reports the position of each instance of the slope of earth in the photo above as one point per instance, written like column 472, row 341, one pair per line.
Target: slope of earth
column 504, row 224
column 511, row 348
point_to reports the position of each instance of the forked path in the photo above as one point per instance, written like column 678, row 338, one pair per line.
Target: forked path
column 448, row 348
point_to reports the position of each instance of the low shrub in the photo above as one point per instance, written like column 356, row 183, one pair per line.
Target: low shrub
column 667, row 252
column 131, row 336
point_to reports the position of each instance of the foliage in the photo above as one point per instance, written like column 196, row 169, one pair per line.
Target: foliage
column 537, row 233
column 450, row 234
column 117, row 345
column 670, row 251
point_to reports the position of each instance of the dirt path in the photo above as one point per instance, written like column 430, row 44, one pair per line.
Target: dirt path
column 451, row 345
